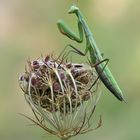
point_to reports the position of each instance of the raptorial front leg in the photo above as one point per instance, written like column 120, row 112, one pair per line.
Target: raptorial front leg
column 65, row 30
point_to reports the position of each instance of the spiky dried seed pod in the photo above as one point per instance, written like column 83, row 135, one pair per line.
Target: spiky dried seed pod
column 58, row 91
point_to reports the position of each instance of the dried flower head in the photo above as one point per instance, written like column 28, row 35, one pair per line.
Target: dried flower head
column 60, row 95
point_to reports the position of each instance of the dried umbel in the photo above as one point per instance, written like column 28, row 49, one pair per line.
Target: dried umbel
column 60, row 95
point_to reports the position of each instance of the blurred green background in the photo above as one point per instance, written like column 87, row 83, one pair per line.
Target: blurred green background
column 28, row 29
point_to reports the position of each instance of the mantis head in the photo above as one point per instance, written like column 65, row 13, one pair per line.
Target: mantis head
column 73, row 9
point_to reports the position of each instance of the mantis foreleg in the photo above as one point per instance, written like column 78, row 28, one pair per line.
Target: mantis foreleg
column 65, row 30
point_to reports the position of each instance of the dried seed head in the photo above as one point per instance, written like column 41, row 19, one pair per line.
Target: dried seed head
column 60, row 95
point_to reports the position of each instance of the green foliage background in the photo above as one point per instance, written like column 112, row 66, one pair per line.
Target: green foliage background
column 28, row 29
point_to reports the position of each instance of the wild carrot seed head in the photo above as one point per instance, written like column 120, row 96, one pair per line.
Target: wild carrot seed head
column 59, row 94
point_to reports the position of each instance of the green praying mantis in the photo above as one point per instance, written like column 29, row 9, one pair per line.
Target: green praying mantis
column 96, row 57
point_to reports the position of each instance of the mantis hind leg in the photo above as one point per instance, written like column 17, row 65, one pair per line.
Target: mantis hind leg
column 96, row 64
column 65, row 54
column 77, row 51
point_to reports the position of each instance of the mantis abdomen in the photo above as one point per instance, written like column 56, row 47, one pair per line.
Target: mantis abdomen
column 108, row 80
column 103, row 71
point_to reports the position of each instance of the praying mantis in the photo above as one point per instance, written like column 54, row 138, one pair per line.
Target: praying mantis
column 96, row 57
